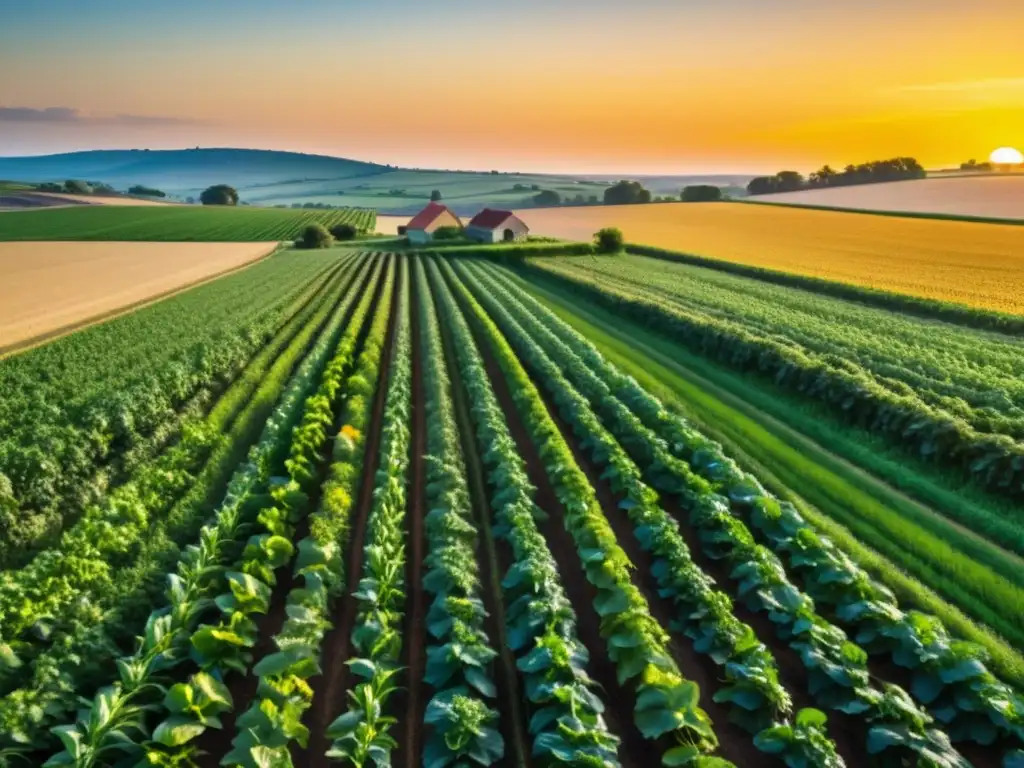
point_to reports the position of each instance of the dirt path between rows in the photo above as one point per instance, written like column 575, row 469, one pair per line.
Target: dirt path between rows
column 411, row 703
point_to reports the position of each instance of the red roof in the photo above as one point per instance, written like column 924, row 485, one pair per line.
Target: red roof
column 426, row 217
column 490, row 218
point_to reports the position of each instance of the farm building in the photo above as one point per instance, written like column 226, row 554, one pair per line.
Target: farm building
column 493, row 226
column 422, row 226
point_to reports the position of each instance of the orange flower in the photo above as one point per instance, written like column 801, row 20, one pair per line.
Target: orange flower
column 350, row 432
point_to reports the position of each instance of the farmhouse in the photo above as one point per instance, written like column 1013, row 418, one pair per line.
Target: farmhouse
column 422, row 226
column 493, row 226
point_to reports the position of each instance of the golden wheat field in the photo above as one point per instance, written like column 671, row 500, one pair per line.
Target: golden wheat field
column 970, row 263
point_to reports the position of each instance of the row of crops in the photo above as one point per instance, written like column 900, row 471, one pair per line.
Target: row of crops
column 950, row 395
column 176, row 223
column 454, row 534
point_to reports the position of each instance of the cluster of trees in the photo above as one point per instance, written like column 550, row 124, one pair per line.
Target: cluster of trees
column 317, row 206
column 318, row 236
column 219, row 194
column 895, row 169
column 626, row 193
column 77, row 187
column 701, row 193
column 139, row 189
column 974, row 165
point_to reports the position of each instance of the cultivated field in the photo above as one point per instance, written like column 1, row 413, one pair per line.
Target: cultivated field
column 997, row 197
column 177, row 223
column 412, row 516
column 980, row 265
column 47, row 287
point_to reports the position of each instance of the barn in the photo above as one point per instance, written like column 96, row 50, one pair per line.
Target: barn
column 494, row 226
column 422, row 226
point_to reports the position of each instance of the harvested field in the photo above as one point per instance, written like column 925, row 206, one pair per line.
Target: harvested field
column 48, row 287
column 388, row 225
column 996, row 197
column 30, row 200
column 980, row 265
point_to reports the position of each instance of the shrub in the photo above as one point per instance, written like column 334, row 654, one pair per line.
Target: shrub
column 219, row 194
column 77, row 187
column 139, row 189
column 609, row 240
column 344, row 232
column 435, row 195
column 448, row 233
column 315, row 236
column 627, row 192
column 547, row 197
column 701, row 193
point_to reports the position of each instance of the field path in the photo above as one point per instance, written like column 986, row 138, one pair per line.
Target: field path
column 47, row 289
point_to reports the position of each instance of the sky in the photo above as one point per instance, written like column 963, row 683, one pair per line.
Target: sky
column 600, row 86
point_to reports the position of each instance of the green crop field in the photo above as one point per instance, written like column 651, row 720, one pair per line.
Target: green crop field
column 408, row 508
column 173, row 223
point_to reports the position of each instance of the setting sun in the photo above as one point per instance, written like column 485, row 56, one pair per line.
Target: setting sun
column 1007, row 156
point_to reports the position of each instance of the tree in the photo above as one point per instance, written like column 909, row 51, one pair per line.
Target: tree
column 701, row 193
column 190, row 200
column 344, row 232
column 626, row 192
column 547, row 197
column 139, row 189
column 75, row 187
column 435, row 195
column 762, row 185
column 219, row 194
column 789, row 181
column 315, row 236
column 609, row 240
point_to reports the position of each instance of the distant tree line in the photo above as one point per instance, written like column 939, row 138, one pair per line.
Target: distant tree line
column 974, row 165
column 877, row 171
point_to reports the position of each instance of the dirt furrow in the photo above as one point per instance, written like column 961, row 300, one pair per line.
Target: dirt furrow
column 411, row 702
column 331, row 685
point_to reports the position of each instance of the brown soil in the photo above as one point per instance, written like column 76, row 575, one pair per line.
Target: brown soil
column 330, row 687
column 411, row 703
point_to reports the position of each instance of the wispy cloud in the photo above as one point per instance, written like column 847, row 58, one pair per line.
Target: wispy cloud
column 72, row 115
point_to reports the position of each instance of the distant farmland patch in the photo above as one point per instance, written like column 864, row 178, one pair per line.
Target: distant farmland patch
column 996, row 197
column 49, row 287
column 980, row 265
column 173, row 223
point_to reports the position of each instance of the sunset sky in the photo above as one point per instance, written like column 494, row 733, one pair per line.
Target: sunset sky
column 645, row 86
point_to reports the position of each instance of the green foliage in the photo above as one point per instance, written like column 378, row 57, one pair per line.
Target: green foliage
column 609, row 240
column 837, row 667
column 363, row 731
column 75, row 187
column 219, row 194
column 626, row 193
column 174, row 223
column 547, row 197
column 435, row 195
column 145, row 191
column 540, row 623
column 701, row 193
column 344, row 231
column 315, row 235
column 449, row 233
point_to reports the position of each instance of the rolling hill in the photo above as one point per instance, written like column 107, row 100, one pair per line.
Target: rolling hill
column 272, row 178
